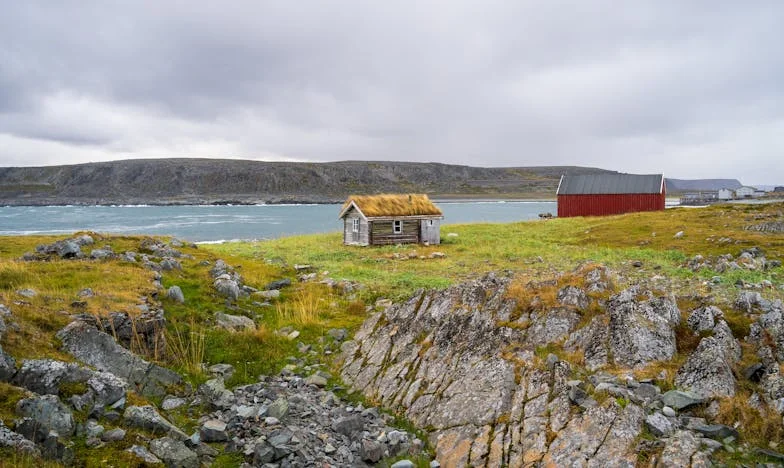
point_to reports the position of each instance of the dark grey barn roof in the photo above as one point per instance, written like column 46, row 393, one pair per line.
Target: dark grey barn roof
column 598, row 184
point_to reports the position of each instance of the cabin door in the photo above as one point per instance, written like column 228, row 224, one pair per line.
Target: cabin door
column 355, row 226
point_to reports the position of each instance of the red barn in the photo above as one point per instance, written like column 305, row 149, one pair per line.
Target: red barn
column 609, row 194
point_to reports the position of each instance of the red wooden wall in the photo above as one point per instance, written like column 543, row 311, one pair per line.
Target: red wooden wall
column 602, row 205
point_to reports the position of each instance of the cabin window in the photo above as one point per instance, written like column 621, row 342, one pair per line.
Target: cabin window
column 429, row 222
column 397, row 227
column 355, row 225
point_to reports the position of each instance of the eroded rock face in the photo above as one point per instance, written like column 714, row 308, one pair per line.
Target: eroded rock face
column 447, row 360
column 99, row 349
column 641, row 331
column 708, row 370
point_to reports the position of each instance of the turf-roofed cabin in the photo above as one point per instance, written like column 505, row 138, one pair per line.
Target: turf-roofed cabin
column 390, row 219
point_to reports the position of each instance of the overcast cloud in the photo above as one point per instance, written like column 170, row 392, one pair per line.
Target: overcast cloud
column 694, row 89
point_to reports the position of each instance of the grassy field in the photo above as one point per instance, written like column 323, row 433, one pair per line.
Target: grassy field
column 536, row 249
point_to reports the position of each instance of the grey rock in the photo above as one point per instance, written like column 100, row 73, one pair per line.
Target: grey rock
column 147, row 418
column 92, row 429
column 113, row 435
column 100, row 350
column 225, row 371
column 279, row 284
column 754, row 372
column 717, row 431
column 213, row 430
column 316, row 380
column 573, row 296
column 708, row 370
column 234, row 322
column 44, row 376
column 669, row 412
column 175, row 293
column 552, row 325
column 403, row 464
column 679, row 449
column 659, row 425
column 348, row 425
column 271, row 294
column 338, row 334
column 101, row 254
column 48, row 413
column 171, row 402
column 7, row 365
column 372, row 451
column 646, row 391
column 144, row 455
column 174, row 453
column 263, row 453
column 641, row 332
column 9, row 438
column 169, row 264
column 227, row 287
column 278, row 409
column 704, row 318
column 27, row 292
column 86, row 292
column 680, row 400
column 216, row 393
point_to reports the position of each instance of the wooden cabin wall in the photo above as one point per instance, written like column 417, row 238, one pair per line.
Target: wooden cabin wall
column 381, row 233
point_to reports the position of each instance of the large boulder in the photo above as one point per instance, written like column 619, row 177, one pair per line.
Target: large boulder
column 174, row 453
column 101, row 351
column 48, row 413
column 708, row 370
column 641, row 331
column 19, row 443
column 7, row 366
column 45, row 376
column 227, row 287
column 148, row 418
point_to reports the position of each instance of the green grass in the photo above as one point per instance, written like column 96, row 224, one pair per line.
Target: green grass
column 560, row 243
column 533, row 250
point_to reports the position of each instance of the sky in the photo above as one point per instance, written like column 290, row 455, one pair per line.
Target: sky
column 693, row 89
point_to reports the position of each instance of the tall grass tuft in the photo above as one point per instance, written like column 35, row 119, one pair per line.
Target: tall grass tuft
column 303, row 308
column 186, row 346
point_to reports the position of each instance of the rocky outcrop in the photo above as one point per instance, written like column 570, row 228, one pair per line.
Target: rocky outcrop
column 101, row 351
column 708, row 370
column 467, row 364
column 459, row 363
column 641, row 331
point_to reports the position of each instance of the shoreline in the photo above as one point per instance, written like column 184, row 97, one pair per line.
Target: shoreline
column 273, row 203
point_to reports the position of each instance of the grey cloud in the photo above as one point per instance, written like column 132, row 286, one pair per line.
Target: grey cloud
column 635, row 86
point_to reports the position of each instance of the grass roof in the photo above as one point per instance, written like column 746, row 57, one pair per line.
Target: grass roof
column 393, row 205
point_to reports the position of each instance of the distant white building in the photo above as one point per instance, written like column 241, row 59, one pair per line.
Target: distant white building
column 726, row 194
column 745, row 192
column 758, row 193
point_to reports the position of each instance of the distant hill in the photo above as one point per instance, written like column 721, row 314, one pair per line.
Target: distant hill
column 216, row 181
column 697, row 185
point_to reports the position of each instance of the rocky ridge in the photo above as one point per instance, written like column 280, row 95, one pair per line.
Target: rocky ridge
column 503, row 380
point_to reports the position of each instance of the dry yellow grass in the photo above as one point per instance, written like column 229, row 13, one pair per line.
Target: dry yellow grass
column 393, row 205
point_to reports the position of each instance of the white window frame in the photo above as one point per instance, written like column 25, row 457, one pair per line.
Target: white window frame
column 355, row 225
column 397, row 226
